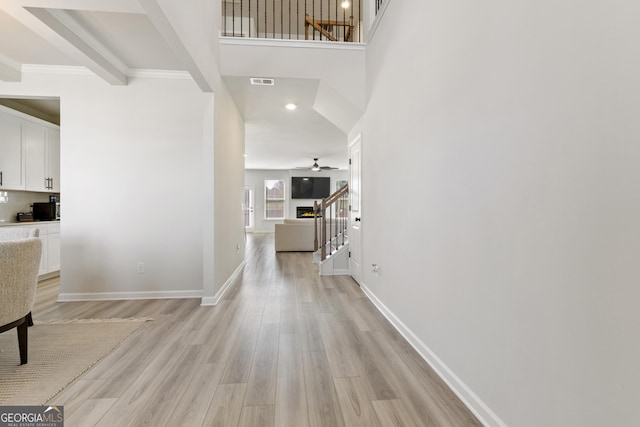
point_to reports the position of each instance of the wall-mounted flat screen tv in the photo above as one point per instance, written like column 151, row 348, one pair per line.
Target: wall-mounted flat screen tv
column 307, row 187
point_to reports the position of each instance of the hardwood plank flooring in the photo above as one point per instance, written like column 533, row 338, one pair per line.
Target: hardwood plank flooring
column 285, row 347
column 324, row 408
column 356, row 406
column 261, row 388
column 291, row 396
column 226, row 406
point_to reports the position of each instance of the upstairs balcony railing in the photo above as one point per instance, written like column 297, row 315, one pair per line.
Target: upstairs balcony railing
column 329, row 20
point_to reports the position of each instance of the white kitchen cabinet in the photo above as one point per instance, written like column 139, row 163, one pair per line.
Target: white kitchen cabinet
column 53, row 159
column 12, row 153
column 49, row 234
column 42, row 157
column 35, row 138
column 53, row 247
column 44, row 264
column 29, row 153
column 50, row 238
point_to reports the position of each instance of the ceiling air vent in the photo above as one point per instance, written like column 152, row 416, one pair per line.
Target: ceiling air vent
column 262, row 82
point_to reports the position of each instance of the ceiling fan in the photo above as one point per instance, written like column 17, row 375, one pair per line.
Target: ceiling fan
column 316, row 167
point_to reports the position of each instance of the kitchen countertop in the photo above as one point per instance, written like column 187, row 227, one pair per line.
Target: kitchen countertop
column 9, row 224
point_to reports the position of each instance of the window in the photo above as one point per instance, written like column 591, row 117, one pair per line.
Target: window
column 274, row 199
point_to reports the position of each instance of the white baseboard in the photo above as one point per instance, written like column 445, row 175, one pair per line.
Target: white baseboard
column 484, row 414
column 214, row 300
column 49, row 275
column 112, row 296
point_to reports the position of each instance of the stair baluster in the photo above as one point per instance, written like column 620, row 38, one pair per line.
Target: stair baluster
column 338, row 224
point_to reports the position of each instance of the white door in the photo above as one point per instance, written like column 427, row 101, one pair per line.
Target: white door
column 247, row 207
column 355, row 202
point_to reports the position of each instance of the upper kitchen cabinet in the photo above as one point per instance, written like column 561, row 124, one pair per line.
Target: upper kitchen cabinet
column 42, row 157
column 29, row 152
column 12, row 153
column 35, row 138
column 53, row 158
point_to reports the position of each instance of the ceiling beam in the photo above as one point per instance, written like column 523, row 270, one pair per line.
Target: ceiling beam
column 163, row 25
column 120, row 6
column 87, row 49
column 9, row 70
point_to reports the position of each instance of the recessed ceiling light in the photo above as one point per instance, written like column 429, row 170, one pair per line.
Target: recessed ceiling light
column 345, row 4
column 291, row 106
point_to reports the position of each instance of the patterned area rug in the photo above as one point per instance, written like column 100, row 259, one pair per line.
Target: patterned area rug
column 59, row 352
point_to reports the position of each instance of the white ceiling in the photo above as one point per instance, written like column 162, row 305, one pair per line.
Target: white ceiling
column 277, row 138
column 23, row 46
column 122, row 37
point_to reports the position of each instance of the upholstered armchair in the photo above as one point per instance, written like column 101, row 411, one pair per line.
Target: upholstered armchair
column 20, row 251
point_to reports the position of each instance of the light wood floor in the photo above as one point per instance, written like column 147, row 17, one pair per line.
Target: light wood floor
column 285, row 347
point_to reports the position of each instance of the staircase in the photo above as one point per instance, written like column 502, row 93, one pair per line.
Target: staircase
column 331, row 242
column 330, row 29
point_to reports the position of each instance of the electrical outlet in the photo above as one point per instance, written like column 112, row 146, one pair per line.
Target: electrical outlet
column 140, row 269
column 375, row 269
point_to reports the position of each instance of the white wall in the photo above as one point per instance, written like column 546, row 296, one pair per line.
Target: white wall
column 256, row 177
column 196, row 24
column 131, row 180
column 509, row 145
column 136, row 148
column 228, row 188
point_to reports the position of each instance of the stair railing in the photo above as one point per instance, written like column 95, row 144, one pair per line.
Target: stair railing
column 324, row 20
column 332, row 214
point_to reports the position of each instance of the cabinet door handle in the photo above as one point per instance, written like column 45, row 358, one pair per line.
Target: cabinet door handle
column 51, row 183
column 0, row 177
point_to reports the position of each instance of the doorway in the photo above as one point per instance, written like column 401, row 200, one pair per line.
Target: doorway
column 355, row 213
column 247, row 208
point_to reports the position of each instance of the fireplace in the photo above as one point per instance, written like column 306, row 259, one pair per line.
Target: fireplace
column 304, row 212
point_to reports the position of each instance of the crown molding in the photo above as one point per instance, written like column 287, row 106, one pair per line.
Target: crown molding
column 159, row 74
column 80, row 70
column 56, row 69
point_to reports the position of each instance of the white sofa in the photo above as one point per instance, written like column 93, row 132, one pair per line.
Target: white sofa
column 295, row 235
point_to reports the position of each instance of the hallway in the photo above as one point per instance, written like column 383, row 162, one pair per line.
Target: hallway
column 285, row 347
